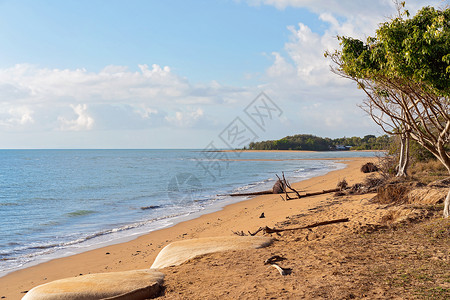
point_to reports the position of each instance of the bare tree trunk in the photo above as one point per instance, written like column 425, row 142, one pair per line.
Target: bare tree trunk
column 447, row 206
column 406, row 159
column 402, row 169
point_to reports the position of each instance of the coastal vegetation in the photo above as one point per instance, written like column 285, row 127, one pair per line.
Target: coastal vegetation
column 405, row 72
column 315, row 143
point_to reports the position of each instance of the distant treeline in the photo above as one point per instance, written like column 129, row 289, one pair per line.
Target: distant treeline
column 315, row 143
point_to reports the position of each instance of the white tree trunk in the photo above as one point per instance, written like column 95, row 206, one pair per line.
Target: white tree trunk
column 402, row 169
column 447, row 206
column 406, row 158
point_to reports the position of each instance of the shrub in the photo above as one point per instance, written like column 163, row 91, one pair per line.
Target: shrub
column 369, row 168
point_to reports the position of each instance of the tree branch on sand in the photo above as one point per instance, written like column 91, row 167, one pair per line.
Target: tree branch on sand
column 277, row 230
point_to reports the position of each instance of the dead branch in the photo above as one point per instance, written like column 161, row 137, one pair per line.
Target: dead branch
column 279, row 187
column 239, row 233
column 274, row 230
column 273, row 259
column 320, row 193
column 254, row 233
column 285, row 190
column 342, row 184
column 289, row 186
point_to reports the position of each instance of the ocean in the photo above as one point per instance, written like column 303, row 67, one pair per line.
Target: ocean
column 55, row 203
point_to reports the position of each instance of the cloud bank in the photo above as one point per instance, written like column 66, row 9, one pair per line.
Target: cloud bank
column 113, row 98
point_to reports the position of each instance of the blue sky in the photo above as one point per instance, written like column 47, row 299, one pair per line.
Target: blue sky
column 174, row 74
column 201, row 39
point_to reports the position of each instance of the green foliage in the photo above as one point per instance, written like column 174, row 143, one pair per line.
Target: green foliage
column 314, row 143
column 415, row 49
column 405, row 72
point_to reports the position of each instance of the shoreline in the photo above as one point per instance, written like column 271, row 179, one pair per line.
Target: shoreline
column 140, row 252
column 162, row 222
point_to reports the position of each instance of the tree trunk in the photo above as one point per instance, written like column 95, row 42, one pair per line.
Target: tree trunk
column 447, row 206
column 402, row 169
column 406, row 159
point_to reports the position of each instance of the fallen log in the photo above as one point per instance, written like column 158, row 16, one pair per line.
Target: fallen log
column 268, row 192
column 278, row 188
column 249, row 194
column 274, row 230
column 320, row 193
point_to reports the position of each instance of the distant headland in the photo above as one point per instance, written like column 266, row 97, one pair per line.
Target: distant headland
column 309, row 142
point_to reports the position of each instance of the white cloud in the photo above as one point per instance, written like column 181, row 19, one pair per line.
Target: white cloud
column 16, row 116
column 117, row 98
column 188, row 118
column 83, row 120
column 30, row 84
column 146, row 112
column 280, row 67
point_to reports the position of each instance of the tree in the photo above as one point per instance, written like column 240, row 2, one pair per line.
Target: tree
column 405, row 72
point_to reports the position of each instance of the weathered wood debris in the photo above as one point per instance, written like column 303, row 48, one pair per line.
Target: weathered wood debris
column 269, row 230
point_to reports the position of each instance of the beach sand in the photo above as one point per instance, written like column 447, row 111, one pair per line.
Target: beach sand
column 197, row 278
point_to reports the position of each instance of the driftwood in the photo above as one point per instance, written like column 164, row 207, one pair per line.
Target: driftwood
column 254, row 233
column 289, row 186
column 282, row 271
column 275, row 230
column 268, row 192
column 285, row 190
column 250, row 194
column 286, row 185
column 341, row 186
column 239, row 233
column 320, row 193
column 280, row 186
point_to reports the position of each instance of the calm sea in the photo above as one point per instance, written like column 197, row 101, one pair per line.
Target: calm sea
column 55, row 203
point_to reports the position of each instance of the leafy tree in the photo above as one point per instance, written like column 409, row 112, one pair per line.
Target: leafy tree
column 405, row 72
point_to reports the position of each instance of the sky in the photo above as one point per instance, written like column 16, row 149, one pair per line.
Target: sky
column 177, row 73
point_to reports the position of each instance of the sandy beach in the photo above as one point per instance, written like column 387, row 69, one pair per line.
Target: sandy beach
column 320, row 259
column 140, row 253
